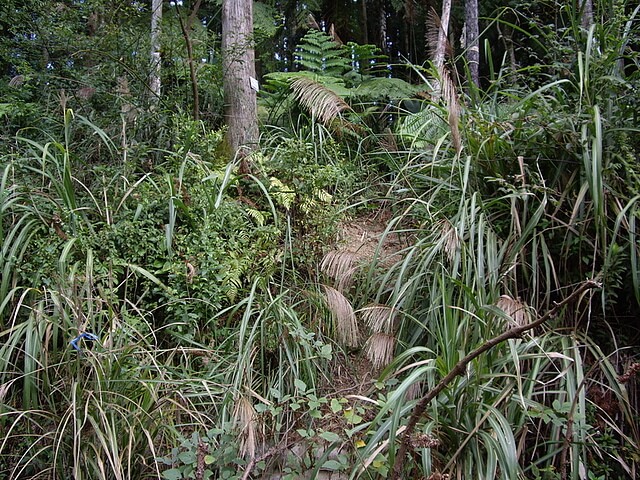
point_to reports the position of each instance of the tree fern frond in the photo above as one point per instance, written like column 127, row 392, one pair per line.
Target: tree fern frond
column 318, row 52
column 323, row 103
column 386, row 88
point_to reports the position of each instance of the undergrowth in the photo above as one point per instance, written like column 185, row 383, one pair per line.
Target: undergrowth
column 169, row 312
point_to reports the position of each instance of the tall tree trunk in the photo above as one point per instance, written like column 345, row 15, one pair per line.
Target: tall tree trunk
column 472, row 32
column 443, row 34
column 441, row 45
column 586, row 12
column 409, row 30
column 238, row 63
column 365, row 23
column 382, row 19
column 186, row 33
column 154, row 75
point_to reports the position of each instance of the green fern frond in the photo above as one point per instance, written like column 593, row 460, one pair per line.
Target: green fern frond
column 376, row 88
column 318, row 52
column 324, row 196
column 282, row 194
column 308, row 205
column 422, row 128
column 365, row 58
column 257, row 216
column 232, row 284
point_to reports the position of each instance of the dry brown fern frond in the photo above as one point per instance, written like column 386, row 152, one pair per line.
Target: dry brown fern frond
column 436, row 38
column 451, row 240
column 450, row 97
column 516, row 310
column 379, row 349
column 245, row 419
column 322, row 102
column 380, row 318
column 434, row 33
column 340, row 265
column 346, row 324
column 334, row 35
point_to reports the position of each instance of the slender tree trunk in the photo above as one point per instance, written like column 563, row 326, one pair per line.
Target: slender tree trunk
column 441, row 45
column 586, row 12
column 472, row 34
column 443, row 34
column 382, row 19
column 154, row 76
column 239, row 74
column 509, row 46
column 410, row 34
column 365, row 23
column 186, row 33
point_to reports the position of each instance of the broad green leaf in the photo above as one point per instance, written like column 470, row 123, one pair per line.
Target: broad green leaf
column 172, row 474
column 330, row 436
column 300, row 385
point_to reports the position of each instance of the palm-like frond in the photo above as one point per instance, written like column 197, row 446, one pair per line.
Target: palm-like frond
column 379, row 349
column 515, row 309
column 346, row 324
column 380, row 318
column 340, row 265
column 322, row 102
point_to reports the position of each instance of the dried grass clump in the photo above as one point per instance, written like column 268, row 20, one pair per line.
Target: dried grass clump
column 451, row 240
column 379, row 318
column 379, row 349
column 245, row 418
column 516, row 310
column 340, row 265
column 345, row 319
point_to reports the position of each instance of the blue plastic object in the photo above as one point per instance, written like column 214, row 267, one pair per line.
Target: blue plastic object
column 86, row 336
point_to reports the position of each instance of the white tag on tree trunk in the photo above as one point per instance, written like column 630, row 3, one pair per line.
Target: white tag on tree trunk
column 254, row 84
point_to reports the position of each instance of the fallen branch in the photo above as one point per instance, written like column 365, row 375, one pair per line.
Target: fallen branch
column 284, row 445
column 461, row 367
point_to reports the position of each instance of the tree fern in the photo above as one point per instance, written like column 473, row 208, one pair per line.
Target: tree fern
column 318, row 52
column 365, row 58
column 333, row 79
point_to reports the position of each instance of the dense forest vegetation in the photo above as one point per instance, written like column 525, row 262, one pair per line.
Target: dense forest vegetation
column 363, row 239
